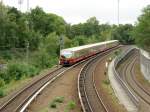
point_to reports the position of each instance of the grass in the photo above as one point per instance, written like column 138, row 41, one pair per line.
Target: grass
column 71, row 105
column 53, row 105
column 111, row 95
column 106, row 82
column 44, row 110
column 2, row 93
column 16, row 85
column 59, row 99
column 13, row 85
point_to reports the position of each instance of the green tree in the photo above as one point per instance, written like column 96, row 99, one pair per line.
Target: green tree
column 46, row 23
column 123, row 33
column 142, row 29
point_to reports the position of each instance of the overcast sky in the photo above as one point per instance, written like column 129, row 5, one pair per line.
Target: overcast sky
column 76, row 11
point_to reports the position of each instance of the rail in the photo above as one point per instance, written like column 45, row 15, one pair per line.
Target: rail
column 85, row 104
column 117, row 62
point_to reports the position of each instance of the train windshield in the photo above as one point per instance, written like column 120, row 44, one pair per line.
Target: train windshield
column 66, row 54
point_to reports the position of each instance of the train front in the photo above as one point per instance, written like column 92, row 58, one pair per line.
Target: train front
column 66, row 57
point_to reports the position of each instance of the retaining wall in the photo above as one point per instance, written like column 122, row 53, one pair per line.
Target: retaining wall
column 145, row 64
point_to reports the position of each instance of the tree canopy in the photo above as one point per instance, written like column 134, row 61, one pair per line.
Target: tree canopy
column 142, row 29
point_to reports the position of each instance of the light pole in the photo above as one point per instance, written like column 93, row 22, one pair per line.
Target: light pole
column 118, row 11
column 27, row 44
column 27, row 5
column 20, row 3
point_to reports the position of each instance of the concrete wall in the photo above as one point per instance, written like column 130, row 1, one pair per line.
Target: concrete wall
column 145, row 64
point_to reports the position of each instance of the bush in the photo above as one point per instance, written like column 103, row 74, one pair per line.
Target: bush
column 107, row 82
column 5, row 76
column 44, row 60
column 2, row 82
column 71, row 105
column 6, row 55
column 53, row 105
column 18, row 70
column 59, row 99
column 2, row 94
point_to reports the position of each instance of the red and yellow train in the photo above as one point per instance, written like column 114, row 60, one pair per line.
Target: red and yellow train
column 72, row 55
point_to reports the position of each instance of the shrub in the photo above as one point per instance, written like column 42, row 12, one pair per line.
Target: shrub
column 32, row 71
column 7, row 55
column 44, row 60
column 59, row 99
column 2, row 94
column 16, row 70
column 107, row 82
column 2, row 82
column 53, row 105
column 4, row 75
column 71, row 105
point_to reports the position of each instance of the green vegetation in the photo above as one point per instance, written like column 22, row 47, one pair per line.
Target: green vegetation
column 71, row 105
column 106, row 82
column 142, row 29
column 53, row 105
column 30, row 41
column 59, row 99
column 2, row 94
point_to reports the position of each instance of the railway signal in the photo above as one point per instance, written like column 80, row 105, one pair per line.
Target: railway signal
column 61, row 42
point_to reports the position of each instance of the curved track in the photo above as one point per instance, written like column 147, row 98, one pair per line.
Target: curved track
column 128, row 75
column 134, row 85
column 88, row 94
column 24, row 97
column 21, row 100
column 17, row 101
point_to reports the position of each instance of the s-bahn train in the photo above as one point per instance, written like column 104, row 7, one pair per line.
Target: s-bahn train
column 72, row 55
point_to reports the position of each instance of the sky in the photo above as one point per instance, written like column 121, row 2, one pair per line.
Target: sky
column 78, row 11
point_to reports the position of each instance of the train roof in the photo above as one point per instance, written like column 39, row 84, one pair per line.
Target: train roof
column 87, row 46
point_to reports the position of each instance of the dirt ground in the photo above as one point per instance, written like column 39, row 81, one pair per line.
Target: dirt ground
column 105, row 90
column 66, row 87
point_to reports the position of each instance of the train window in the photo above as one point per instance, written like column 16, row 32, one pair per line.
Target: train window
column 67, row 54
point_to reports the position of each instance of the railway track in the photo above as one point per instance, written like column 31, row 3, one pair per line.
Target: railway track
column 22, row 99
column 137, row 83
column 132, row 82
column 88, row 93
column 119, row 71
column 19, row 99
column 128, row 76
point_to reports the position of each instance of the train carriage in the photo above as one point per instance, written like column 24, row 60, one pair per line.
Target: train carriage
column 72, row 55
